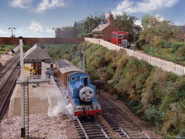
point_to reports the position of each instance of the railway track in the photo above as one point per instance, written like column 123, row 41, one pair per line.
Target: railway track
column 91, row 128
column 4, row 69
column 115, row 117
column 86, row 128
column 120, row 121
column 8, row 78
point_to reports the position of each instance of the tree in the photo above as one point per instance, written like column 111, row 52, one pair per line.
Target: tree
column 69, row 31
column 64, row 32
column 75, row 30
column 126, row 23
column 92, row 22
column 164, row 29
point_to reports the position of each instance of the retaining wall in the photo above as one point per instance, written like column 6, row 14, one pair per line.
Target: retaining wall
column 32, row 41
column 160, row 63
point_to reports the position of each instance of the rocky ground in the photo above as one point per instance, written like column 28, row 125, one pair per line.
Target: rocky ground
column 41, row 126
column 4, row 58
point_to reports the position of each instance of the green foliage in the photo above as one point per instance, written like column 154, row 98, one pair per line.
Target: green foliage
column 58, row 51
column 181, row 92
column 181, row 133
column 166, row 101
column 162, row 43
column 164, row 29
column 181, row 51
column 176, row 46
column 151, row 51
column 9, row 47
column 126, row 22
column 140, row 43
column 167, row 44
column 154, row 115
column 91, row 22
column 132, row 102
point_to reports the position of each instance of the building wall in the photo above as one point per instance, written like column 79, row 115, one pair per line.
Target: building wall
column 108, row 30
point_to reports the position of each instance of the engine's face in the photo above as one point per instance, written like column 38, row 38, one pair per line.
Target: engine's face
column 86, row 94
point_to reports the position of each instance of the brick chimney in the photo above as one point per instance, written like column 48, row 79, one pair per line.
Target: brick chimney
column 110, row 19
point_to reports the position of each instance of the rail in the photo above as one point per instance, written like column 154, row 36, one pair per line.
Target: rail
column 111, row 112
column 6, row 91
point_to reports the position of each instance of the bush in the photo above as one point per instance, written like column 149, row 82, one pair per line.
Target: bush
column 161, row 45
column 181, row 133
column 132, row 102
column 154, row 115
column 181, row 51
column 151, row 51
column 181, row 91
column 167, row 44
column 140, row 44
column 175, row 47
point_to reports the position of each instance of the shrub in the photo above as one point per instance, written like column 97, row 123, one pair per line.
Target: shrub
column 67, row 56
column 181, row 51
column 121, row 63
column 167, row 44
column 140, row 44
column 161, row 45
column 105, row 76
column 181, row 133
column 175, row 47
column 110, row 55
column 132, row 102
column 154, row 115
column 181, row 91
column 151, row 51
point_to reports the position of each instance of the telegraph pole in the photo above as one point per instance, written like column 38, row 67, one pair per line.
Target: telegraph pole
column 12, row 28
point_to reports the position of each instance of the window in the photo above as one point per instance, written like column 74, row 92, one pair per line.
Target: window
column 73, row 78
column 120, row 36
column 126, row 36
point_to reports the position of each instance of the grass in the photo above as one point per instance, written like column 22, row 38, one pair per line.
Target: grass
column 173, row 54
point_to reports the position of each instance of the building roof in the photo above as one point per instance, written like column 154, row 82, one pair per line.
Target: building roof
column 36, row 54
column 182, row 28
column 100, row 28
column 65, row 66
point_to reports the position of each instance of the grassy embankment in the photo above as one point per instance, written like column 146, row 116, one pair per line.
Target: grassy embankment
column 171, row 51
column 5, row 48
column 152, row 94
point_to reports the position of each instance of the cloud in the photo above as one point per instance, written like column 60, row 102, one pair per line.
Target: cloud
column 160, row 18
column 36, row 27
column 138, row 22
column 49, row 4
column 3, row 32
column 145, row 6
column 20, row 3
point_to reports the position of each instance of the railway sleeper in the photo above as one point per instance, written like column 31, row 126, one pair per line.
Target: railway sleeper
column 97, row 136
column 94, row 133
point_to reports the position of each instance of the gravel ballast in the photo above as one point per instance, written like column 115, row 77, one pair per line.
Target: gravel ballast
column 41, row 126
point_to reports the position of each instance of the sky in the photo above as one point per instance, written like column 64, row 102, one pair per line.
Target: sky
column 40, row 18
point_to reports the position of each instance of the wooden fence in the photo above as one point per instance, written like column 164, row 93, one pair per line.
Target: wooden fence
column 160, row 63
column 32, row 41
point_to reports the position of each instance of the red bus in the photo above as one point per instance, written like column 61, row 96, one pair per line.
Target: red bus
column 120, row 38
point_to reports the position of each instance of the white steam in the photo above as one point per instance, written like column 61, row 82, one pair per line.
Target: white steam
column 58, row 105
